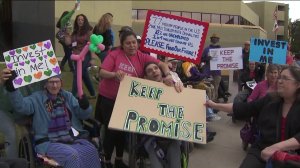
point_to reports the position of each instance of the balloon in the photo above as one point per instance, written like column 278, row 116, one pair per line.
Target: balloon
column 79, row 58
column 94, row 46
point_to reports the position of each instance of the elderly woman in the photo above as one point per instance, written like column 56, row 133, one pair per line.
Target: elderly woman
column 124, row 60
column 277, row 119
column 57, row 128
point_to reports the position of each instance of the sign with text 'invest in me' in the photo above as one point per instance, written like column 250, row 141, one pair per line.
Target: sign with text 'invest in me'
column 32, row 63
column 174, row 36
column 152, row 108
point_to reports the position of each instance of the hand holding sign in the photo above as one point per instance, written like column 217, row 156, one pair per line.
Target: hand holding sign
column 94, row 46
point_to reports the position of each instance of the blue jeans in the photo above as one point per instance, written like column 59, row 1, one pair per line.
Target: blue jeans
column 85, row 77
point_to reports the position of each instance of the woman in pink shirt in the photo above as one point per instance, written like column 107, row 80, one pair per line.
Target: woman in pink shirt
column 125, row 60
column 268, row 85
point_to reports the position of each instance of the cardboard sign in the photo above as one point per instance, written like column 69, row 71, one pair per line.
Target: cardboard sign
column 226, row 58
column 32, row 63
column 268, row 51
column 174, row 36
column 152, row 108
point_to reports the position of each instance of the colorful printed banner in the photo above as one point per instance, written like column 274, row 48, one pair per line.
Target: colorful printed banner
column 32, row 63
column 152, row 108
column 174, row 36
column 226, row 58
column 268, row 51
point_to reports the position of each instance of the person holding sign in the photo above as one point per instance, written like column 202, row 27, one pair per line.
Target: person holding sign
column 277, row 119
column 216, row 74
column 125, row 60
column 57, row 128
column 153, row 145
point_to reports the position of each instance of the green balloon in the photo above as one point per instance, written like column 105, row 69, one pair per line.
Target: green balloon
column 94, row 39
column 100, row 38
column 93, row 48
column 98, row 51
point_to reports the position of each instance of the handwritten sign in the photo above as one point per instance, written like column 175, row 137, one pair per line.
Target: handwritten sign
column 268, row 51
column 226, row 58
column 174, row 36
column 32, row 63
column 152, row 108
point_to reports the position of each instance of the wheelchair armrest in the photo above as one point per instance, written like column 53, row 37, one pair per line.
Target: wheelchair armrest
column 93, row 126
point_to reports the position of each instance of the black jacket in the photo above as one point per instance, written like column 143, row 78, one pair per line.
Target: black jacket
column 268, row 111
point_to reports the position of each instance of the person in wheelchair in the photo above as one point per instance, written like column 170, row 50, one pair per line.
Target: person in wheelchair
column 162, row 152
column 252, row 73
column 277, row 119
column 56, row 113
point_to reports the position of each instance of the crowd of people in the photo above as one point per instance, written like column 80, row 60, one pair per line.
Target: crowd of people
column 57, row 113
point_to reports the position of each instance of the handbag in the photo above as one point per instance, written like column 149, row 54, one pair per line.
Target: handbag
column 248, row 133
column 60, row 35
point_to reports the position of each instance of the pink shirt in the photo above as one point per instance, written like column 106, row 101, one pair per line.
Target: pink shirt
column 116, row 60
column 261, row 90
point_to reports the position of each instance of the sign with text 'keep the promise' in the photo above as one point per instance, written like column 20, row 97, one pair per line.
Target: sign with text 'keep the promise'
column 174, row 36
column 268, row 51
column 226, row 58
column 152, row 108
column 32, row 63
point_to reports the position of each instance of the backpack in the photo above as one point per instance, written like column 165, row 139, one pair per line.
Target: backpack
column 60, row 35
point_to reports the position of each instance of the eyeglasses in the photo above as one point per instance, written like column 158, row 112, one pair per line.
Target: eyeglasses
column 54, row 82
column 285, row 78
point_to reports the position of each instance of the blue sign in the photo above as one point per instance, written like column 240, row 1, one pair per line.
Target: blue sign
column 268, row 51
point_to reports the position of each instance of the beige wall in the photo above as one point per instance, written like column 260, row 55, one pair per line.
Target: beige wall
column 94, row 10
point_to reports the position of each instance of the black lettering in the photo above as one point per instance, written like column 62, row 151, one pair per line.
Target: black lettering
column 154, row 126
column 198, row 129
column 131, row 116
column 133, row 89
column 141, row 124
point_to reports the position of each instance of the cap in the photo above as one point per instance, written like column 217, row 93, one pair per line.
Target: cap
column 125, row 28
column 214, row 35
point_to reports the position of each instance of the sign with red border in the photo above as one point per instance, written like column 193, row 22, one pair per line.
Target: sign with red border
column 174, row 36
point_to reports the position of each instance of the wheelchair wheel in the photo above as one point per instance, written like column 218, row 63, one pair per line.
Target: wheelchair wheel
column 26, row 151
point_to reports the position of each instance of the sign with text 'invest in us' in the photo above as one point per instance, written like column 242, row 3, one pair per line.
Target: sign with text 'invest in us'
column 174, row 36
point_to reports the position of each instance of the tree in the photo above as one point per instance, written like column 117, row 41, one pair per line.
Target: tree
column 295, row 36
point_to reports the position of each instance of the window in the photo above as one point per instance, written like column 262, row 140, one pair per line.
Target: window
column 280, row 37
column 206, row 17
column 280, row 23
column 196, row 16
column 225, row 19
column 141, row 14
column 134, row 14
column 176, row 13
column 187, row 14
column 281, row 8
column 215, row 18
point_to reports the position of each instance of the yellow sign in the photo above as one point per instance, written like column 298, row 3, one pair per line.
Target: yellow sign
column 152, row 108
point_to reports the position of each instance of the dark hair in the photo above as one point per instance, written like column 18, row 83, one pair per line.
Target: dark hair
column 149, row 63
column 124, row 35
column 108, row 13
column 59, row 20
column 85, row 28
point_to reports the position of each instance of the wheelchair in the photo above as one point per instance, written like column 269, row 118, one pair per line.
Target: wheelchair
column 138, row 155
column 26, row 144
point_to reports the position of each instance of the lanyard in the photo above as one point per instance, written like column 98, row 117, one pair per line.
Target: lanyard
column 131, row 65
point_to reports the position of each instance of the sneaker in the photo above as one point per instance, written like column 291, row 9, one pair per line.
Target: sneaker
column 120, row 164
column 213, row 117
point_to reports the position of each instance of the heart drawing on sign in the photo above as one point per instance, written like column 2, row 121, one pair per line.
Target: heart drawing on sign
column 47, row 45
column 40, row 58
column 18, row 51
column 50, row 53
column 33, row 46
column 12, row 52
column 27, row 61
column 21, row 63
column 28, row 78
column 48, row 72
column 7, row 58
column 40, row 44
column 53, row 61
column 25, row 49
column 18, row 81
column 38, row 75
column 56, row 70
column 10, row 65
column 33, row 60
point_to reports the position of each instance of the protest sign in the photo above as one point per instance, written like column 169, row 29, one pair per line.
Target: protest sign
column 152, row 108
column 174, row 36
column 268, row 51
column 226, row 58
column 32, row 63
